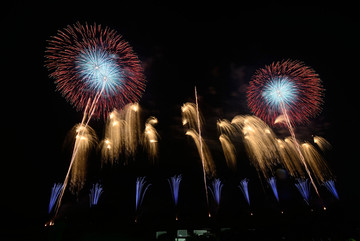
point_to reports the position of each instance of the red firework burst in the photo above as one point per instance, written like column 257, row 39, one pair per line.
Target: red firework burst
column 90, row 62
column 288, row 86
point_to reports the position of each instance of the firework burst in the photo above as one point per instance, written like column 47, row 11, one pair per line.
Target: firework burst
column 91, row 62
column 290, row 90
column 286, row 85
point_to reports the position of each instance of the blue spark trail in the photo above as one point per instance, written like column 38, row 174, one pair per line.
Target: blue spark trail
column 216, row 190
column 174, row 183
column 272, row 182
column 55, row 191
column 330, row 185
column 304, row 188
column 141, row 188
column 244, row 188
column 95, row 193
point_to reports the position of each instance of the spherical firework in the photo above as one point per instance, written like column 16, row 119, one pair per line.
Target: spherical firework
column 287, row 86
column 88, row 61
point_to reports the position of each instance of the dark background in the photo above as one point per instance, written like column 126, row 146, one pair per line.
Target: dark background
column 215, row 46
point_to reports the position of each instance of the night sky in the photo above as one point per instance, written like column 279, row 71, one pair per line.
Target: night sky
column 216, row 47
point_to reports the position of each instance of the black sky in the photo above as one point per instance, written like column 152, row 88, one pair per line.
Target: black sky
column 216, row 47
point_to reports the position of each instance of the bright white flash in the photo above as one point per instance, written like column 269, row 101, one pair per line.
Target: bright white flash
column 280, row 91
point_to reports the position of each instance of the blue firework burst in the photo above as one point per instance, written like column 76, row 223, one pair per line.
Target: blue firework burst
column 280, row 91
column 99, row 68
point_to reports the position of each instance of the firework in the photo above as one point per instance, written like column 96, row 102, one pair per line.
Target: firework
column 245, row 190
column 189, row 116
column 141, row 188
column 112, row 145
column 289, row 157
column 55, row 191
column 193, row 120
column 95, row 193
column 330, row 185
column 215, row 189
column 304, row 188
column 204, row 152
column 287, row 84
column 174, row 183
column 322, row 143
column 287, row 88
column 272, row 183
column 229, row 151
column 259, row 141
column 91, row 62
column 316, row 162
column 225, row 128
column 131, row 115
column 151, row 137
column 85, row 139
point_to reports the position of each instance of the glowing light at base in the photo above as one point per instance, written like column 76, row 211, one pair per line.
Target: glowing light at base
column 95, row 193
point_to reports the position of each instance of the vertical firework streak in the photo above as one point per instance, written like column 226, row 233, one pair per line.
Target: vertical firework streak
column 86, row 118
column 288, row 89
column 201, row 147
column 96, row 71
column 297, row 145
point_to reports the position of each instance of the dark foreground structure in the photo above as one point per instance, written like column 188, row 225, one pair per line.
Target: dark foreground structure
column 303, row 223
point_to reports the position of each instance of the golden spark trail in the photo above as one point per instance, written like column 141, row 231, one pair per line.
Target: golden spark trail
column 322, row 143
column 259, row 141
column 297, row 145
column 151, row 137
column 201, row 146
column 76, row 145
column 290, row 157
column 229, row 151
column 316, row 163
